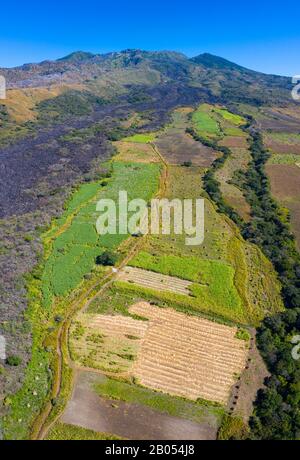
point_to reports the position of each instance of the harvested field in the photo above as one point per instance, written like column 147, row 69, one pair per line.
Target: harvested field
column 282, row 143
column 188, row 356
column 178, row 147
column 280, row 121
column 285, row 181
column 234, row 141
column 129, row 420
column 136, row 152
column 154, row 280
column 109, row 343
column 172, row 352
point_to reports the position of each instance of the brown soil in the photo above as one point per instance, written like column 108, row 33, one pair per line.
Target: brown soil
column 130, row 421
column 248, row 384
column 285, row 181
column 234, row 141
column 180, row 147
column 285, row 186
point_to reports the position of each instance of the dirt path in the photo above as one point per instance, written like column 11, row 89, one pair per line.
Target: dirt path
column 41, row 426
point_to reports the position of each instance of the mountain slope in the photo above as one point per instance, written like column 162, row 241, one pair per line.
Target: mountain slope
column 222, row 78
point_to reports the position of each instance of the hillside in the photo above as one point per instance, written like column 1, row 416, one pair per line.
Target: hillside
column 157, row 124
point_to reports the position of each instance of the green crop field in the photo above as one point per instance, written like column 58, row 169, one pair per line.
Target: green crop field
column 231, row 117
column 74, row 250
column 140, row 138
column 205, row 123
column 213, row 288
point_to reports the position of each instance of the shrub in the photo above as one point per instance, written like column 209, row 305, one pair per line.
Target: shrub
column 13, row 360
column 107, row 258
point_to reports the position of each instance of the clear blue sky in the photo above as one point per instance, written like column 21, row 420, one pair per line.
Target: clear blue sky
column 262, row 35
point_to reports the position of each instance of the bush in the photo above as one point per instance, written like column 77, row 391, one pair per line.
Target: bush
column 13, row 360
column 106, row 258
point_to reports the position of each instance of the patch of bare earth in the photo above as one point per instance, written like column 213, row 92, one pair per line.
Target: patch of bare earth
column 246, row 388
column 235, row 142
column 285, row 186
column 179, row 147
column 127, row 420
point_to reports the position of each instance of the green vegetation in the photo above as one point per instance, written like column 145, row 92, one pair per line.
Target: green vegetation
column 70, row 103
column 243, row 334
column 65, row 432
column 232, row 428
column 106, row 258
column 213, row 290
column 13, row 360
column 140, row 138
column 204, row 123
column 78, row 244
column 283, row 159
column 229, row 116
column 172, row 405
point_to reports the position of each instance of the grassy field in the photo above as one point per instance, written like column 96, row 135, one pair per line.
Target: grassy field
column 204, row 122
column 284, row 159
column 65, row 432
column 140, row 138
column 214, row 280
column 233, row 118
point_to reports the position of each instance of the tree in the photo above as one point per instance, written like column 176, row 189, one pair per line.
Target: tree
column 106, row 258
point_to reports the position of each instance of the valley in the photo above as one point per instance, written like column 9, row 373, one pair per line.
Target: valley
column 115, row 329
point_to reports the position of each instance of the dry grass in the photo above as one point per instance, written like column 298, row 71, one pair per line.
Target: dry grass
column 140, row 153
column 21, row 102
column 188, row 356
column 172, row 352
column 108, row 343
column 154, row 280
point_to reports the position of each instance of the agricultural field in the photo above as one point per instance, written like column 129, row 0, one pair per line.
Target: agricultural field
column 130, row 411
column 178, row 147
column 235, row 163
column 75, row 244
column 168, row 352
column 211, row 286
column 282, row 143
column 285, row 187
column 222, row 256
column 135, row 152
column 205, row 123
column 156, row 281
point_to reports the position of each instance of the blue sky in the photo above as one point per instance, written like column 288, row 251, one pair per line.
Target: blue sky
column 261, row 35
